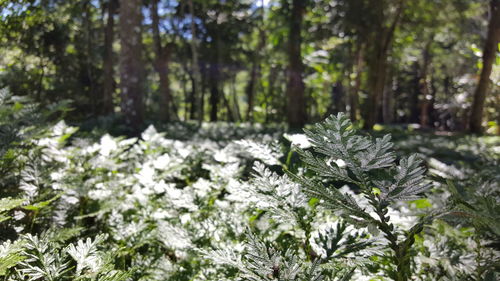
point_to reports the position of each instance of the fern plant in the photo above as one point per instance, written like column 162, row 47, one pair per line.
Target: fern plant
column 45, row 258
column 341, row 154
column 261, row 261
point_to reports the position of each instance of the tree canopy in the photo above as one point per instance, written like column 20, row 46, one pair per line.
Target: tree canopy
column 434, row 63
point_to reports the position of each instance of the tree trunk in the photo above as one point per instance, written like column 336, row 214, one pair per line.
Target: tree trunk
column 413, row 99
column 425, row 107
column 197, row 97
column 489, row 53
column 230, row 113
column 383, row 37
column 273, row 75
column 388, row 101
column 162, row 58
column 215, row 77
column 255, row 72
column 131, row 66
column 236, row 106
column 296, row 107
column 251, row 86
column 214, row 90
column 376, row 84
column 337, row 95
column 108, row 79
column 87, row 21
column 354, row 97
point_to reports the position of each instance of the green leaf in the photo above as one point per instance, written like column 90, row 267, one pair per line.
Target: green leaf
column 40, row 205
column 7, row 204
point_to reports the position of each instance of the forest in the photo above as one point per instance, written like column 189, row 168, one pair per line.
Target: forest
column 259, row 140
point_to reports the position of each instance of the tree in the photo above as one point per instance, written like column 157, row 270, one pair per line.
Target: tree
column 162, row 59
column 197, row 95
column 131, row 66
column 256, row 57
column 108, row 79
column 357, row 69
column 296, row 107
column 489, row 54
column 382, row 35
column 424, row 85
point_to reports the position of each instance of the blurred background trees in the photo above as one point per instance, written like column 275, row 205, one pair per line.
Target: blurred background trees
column 434, row 63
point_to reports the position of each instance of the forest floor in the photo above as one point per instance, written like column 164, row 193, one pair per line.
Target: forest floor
column 163, row 198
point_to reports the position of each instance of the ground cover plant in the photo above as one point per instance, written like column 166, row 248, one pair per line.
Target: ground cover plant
column 259, row 204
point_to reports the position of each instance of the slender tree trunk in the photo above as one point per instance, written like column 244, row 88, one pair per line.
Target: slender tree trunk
column 425, row 108
column 413, row 99
column 214, row 90
column 39, row 88
column 203, row 84
column 189, row 98
column 388, row 101
column 108, row 73
column 354, row 97
column 131, row 66
column 215, row 77
column 186, row 97
column 273, row 75
column 161, row 64
column 489, row 54
column 197, row 97
column 296, row 107
column 230, row 113
column 337, row 96
column 251, row 87
column 89, row 58
column 255, row 72
column 377, row 67
column 236, row 106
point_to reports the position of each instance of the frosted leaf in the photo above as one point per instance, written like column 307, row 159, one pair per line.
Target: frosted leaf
column 225, row 156
column 162, row 162
column 260, row 151
column 107, row 145
column 146, row 174
column 86, row 254
column 299, row 140
column 173, row 237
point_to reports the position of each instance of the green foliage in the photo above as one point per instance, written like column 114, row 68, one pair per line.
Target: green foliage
column 194, row 206
column 7, row 204
column 10, row 256
column 371, row 167
column 261, row 261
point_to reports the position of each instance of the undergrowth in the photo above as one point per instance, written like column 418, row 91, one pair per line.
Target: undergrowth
column 330, row 204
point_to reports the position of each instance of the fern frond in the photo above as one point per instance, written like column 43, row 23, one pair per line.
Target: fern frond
column 41, row 261
column 323, row 168
column 408, row 181
column 86, row 254
column 7, row 204
column 10, row 255
column 332, row 198
column 377, row 155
